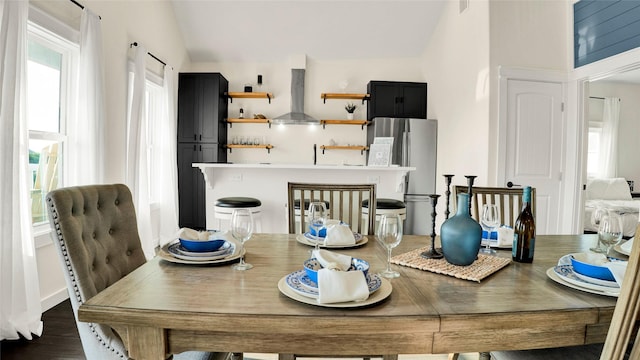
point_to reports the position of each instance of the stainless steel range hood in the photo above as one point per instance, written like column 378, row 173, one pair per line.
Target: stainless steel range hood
column 297, row 115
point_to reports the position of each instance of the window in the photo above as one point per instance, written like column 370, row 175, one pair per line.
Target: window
column 50, row 84
column 593, row 148
column 153, row 114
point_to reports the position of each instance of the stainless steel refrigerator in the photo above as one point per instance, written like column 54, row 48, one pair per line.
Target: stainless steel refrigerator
column 415, row 145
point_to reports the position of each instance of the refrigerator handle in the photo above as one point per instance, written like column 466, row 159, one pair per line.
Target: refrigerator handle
column 406, row 160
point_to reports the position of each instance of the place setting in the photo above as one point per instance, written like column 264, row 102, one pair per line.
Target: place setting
column 594, row 272
column 331, row 279
column 328, row 233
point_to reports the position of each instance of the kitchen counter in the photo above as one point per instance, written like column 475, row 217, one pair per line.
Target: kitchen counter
column 268, row 183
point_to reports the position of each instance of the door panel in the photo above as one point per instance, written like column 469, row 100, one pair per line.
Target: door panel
column 535, row 128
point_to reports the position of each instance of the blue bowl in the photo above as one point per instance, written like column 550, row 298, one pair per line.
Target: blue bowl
column 592, row 270
column 202, row 245
column 311, row 267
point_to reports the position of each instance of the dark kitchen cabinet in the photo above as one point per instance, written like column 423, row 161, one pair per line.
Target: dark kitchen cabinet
column 397, row 99
column 202, row 135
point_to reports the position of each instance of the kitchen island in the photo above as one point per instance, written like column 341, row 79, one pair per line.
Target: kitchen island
column 268, row 183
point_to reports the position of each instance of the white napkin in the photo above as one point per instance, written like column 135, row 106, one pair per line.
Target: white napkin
column 618, row 269
column 340, row 286
column 627, row 245
column 332, row 260
column 505, row 236
column 339, row 235
column 190, row 234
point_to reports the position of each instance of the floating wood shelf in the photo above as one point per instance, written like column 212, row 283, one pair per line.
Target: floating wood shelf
column 265, row 146
column 344, row 147
column 250, row 95
column 249, row 121
column 344, row 96
column 362, row 123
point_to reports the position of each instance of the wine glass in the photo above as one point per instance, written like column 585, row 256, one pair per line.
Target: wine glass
column 241, row 230
column 390, row 235
column 317, row 218
column 596, row 217
column 489, row 221
column 610, row 230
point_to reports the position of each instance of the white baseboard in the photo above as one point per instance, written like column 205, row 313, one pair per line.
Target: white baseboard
column 54, row 299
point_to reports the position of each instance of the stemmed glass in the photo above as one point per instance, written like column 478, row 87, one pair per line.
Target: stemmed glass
column 596, row 217
column 390, row 235
column 610, row 230
column 241, row 230
column 317, row 218
column 489, row 221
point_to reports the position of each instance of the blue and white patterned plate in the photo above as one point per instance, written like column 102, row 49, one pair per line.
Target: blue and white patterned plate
column 312, row 238
column 567, row 274
column 173, row 249
column 299, row 282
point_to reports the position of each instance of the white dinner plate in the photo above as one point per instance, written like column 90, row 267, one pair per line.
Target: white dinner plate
column 383, row 292
column 299, row 282
column 553, row 275
column 622, row 250
column 238, row 250
column 360, row 240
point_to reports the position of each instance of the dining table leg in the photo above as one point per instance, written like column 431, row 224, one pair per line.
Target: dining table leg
column 146, row 343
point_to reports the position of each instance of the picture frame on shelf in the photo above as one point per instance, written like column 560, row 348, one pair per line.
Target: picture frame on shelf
column 379, row 155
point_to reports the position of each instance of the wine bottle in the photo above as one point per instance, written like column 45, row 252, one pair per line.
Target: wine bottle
column 524, row 232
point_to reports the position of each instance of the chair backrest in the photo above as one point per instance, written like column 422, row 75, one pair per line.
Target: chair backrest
column 96, row 236
column 509, row 201
column 345, row 203
column 626, row 312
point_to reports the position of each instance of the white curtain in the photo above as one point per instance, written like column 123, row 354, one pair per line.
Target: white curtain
column 86, row 139
column 137, row 168
column 168, row 176
column 20, row 309
column 609, row 139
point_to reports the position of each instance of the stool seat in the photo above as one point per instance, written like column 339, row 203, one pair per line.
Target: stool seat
column 238, row 202
column 385, row 204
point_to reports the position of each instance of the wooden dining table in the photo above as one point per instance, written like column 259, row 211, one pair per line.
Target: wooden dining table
column 164, row 307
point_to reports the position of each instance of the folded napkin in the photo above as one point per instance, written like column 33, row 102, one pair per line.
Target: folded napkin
column 340, row 286
column 505, row 236
column 339, row 235
column 627, row 245
column 618, row 268
column 332, row 260
column 190, row 234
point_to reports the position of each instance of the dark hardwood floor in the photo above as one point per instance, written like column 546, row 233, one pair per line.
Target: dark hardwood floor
column 59, row 340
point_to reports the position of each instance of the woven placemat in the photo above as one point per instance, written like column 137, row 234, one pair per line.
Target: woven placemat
column 484, row 266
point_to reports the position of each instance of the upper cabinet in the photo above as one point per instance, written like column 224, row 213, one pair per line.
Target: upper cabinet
column 202, row 107
column 397, row 99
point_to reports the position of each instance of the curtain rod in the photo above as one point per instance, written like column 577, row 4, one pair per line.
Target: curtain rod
column 150, row 54
column 599, row 98
column 82, row 7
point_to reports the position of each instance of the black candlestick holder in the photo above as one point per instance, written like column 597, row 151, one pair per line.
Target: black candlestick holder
column 433, row 253
column 470, row 179
column 447, row 194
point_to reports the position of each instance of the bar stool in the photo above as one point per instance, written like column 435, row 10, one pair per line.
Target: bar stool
column 307, row 202
column 224, row 208
column 384, row 206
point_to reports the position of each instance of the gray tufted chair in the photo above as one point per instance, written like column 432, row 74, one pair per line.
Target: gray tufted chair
column 96, row 235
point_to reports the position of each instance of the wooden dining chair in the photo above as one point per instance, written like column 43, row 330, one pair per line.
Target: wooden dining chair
column 96, row 237
column 345, row 204
column 509, row 201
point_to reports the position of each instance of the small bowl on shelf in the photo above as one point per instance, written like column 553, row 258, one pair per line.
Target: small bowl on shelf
column 311, row 267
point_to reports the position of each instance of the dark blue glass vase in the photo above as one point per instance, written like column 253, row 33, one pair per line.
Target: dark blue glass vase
column 460, row 235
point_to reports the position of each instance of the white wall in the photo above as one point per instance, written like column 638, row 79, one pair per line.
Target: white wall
column 150, row 23
column 294, row 143
column 629, row 126
column 456, row 66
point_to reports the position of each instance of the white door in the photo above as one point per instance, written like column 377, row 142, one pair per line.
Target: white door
column 534, row 133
